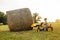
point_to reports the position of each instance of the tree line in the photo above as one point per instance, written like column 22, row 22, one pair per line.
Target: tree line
column 3, row 18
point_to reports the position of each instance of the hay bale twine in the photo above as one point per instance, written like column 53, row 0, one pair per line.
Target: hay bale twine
column 19, row 19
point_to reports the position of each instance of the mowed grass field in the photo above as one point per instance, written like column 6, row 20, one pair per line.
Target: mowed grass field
column 5, row 34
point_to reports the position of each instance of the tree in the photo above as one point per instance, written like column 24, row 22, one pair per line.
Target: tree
column 34, row 17
column 1, row 14
column 3, row 18
column 39, row 17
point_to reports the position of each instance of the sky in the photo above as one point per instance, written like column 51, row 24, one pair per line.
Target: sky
column 46, row 8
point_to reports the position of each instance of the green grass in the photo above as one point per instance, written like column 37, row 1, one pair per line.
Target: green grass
column 5, row 34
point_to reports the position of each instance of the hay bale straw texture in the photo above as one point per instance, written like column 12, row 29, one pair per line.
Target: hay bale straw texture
column 19, row 19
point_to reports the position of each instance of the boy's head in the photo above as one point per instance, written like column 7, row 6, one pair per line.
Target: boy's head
column 44, row 24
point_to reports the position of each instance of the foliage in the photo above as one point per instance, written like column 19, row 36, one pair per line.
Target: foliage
column 1, row 14
column 3, row 18
column 34, row 17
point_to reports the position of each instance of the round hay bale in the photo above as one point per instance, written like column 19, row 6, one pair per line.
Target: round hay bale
column 19, row 19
